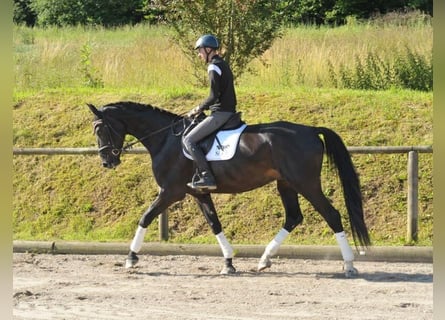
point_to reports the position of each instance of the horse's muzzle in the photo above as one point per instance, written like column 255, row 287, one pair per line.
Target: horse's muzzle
column 107, row 165
column 110, row 161
column 111, row 165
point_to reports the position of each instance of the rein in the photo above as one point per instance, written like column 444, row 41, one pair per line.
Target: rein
column 116, row 151
column 171, row 126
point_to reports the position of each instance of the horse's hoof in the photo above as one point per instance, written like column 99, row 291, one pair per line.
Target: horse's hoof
column 350, row 273
column 228, row 270
column 349, row 269
column 264, row 264
column 131, row 261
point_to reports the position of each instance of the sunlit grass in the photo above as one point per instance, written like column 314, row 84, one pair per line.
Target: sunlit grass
column 300, row 57
column 143, row 56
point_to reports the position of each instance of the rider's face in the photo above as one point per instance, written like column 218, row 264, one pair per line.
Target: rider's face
column 202, row 54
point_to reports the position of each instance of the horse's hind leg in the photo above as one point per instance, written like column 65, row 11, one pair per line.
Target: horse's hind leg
column 208, row 209
column 293, row 218
column 333, row 218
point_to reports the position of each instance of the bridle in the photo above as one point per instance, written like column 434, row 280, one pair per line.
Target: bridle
column 109, row 130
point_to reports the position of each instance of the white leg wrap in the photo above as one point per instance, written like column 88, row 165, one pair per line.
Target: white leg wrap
column 226, row 248
column 345, row 248
column 272, row 247
column 138, row 239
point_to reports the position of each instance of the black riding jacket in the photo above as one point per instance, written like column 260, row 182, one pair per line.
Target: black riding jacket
column 222, row 95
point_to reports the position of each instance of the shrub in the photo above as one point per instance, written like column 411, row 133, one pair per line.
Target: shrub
column 409, row 70
column 414, row 71
column 89, row 72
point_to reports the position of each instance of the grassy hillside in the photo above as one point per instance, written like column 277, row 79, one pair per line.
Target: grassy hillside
column 74, row 198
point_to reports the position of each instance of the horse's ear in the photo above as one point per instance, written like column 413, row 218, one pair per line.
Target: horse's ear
column 94, row 110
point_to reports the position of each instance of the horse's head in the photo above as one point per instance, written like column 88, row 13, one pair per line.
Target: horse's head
column 110, row 135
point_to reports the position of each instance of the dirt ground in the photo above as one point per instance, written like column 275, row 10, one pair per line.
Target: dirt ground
column 190, row 287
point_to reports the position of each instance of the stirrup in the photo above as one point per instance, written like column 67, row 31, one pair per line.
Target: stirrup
column 202, row 188
column 200, row 182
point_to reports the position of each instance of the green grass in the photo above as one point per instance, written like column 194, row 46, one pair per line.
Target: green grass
column 303, row 55
column 142, row 57
column 74, row 198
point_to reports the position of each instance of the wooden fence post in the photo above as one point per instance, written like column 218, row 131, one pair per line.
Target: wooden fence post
column 413, row 203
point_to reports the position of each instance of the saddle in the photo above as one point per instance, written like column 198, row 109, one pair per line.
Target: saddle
column 221, row 144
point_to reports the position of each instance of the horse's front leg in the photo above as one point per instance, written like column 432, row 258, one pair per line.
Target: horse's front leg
column 207, row 207
column 161, row 203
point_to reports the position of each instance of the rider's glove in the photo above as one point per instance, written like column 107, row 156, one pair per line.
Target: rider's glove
column 194, row 112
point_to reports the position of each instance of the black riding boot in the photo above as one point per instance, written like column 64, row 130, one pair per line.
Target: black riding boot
column 204, row 180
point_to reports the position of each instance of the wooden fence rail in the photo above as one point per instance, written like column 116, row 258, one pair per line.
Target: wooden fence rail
column 140, row 150
column 413, row 176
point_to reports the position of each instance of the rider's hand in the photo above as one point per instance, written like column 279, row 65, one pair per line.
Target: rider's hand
column 195, row 111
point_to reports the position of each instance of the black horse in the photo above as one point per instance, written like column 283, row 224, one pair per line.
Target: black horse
column 289, row 153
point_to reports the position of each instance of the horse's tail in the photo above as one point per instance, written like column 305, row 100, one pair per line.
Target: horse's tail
column 338, row 154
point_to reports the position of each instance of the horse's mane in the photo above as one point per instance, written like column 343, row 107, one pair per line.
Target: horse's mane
column 138, row 107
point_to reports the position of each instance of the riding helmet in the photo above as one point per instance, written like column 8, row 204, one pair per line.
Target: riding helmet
column 207, row 41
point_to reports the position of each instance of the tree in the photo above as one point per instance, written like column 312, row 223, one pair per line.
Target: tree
column 336, row 12
column 59, row 13
column 113, row 12
column 245, row 29
column 23, row 14
column 82, row 12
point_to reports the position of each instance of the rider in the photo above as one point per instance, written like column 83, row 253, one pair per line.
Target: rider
column 221, row 102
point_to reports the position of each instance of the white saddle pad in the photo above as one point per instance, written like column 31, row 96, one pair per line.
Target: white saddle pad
column 224, row 150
